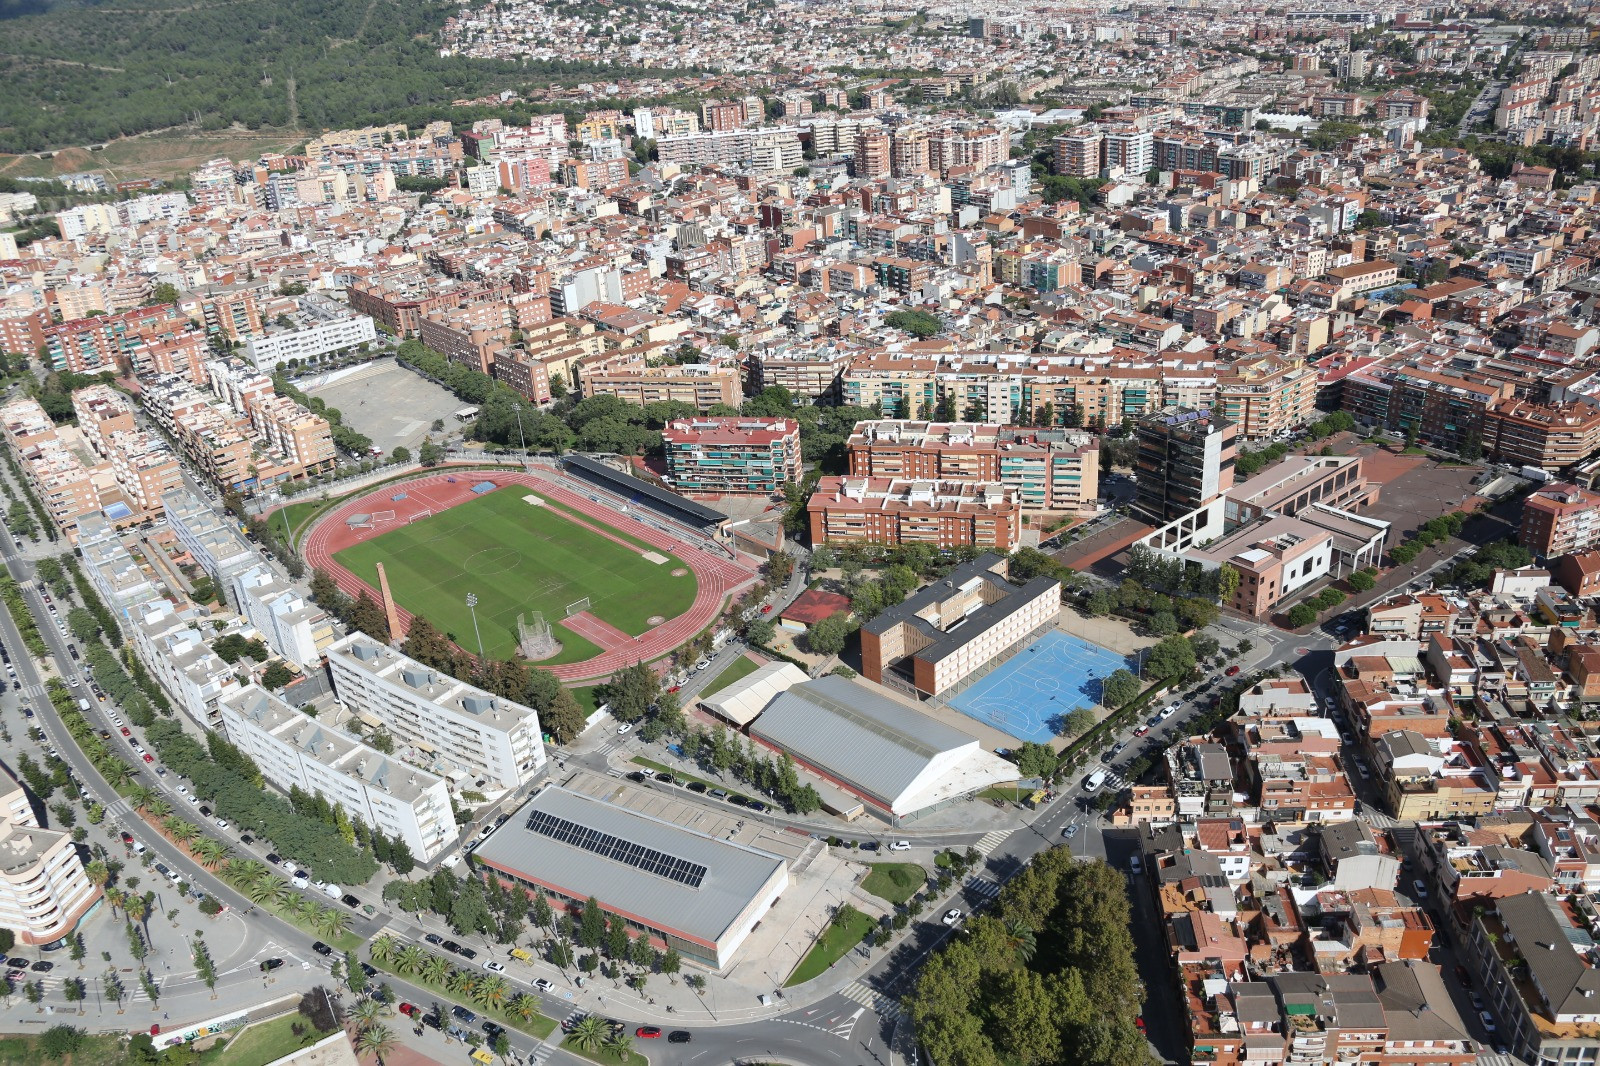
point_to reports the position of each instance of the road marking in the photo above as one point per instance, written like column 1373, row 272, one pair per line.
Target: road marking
column 983, row 887
column 882, row 1005
column 989, row 841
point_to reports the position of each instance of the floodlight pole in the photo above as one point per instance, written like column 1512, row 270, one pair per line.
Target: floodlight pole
column 472, row 605
column 517, row 407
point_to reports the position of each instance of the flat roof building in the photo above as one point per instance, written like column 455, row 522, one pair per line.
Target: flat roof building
column 1185, row 461
column 1560, row 519
column 946, row 514
column 295, row 751
column 944, row 631
column 1051, row 470
column 896, row 759
column 44, row 890
column 215, row 543
column 693, row 893
column 732, row 455
column 474, row 737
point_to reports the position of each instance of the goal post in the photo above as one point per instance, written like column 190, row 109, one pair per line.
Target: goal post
column 577, row 606
column 419, row 515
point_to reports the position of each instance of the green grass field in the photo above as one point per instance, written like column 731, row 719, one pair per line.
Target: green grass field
column 518, row 558
column 894, row 881
column 741, row 668
column 830, row 948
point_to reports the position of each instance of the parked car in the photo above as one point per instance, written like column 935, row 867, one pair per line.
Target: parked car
column 462, row 1014
column 647, row 1032
column 1231, row 671
column 409, row 1010
column 900, row 845
column 678, row 1036
column 493, row 966
column 543, row 984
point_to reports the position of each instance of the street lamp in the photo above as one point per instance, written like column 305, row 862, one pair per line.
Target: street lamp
column 517, row 407
column 472, row 605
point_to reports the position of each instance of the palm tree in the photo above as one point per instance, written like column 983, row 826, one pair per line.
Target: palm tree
column 491, row 991
column 368, row 1011
column 385, row 948
column 243, row 873
column 411, row 959
column 114, row 897
column 376, row 1040
column 303, row 909
column 1022, row 941
column 461, row 982
column 158, row 809
column 523, row 1007
column 98, row 873
column 589, row 1032
column 137, row 910
column 436, row 969
column 117, row 773
column 181, row 831
column 619, row 1044
column 328, row 922
column 140, row 796
column 209, row 852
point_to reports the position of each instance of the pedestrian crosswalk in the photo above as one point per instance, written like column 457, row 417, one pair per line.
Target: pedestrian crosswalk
column 982, row 886
column 990, row 841
column 884, row 1006
column 541, row 1054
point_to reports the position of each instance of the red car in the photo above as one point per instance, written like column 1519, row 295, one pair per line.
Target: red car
column 148, row 757
column 1144, row 727
column 127, row 732
column 1139, row 1021
column 648, row 1032
column 408, row 1010
column 1230, row 671
column 127, row 837
column 766, row 608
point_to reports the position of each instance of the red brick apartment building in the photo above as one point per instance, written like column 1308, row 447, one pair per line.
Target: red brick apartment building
column 946, row 514
column 1560, row 519
column 732, row 455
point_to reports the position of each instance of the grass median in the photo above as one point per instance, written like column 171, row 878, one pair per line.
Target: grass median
column 604, row 1057
column 538, row 1026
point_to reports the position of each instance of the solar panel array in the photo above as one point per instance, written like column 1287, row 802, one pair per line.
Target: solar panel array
column 626, row 851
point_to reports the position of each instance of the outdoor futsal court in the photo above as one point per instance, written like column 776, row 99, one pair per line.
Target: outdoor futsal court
column 1023, row 695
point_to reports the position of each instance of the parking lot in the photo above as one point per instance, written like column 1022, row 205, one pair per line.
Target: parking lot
column 390, row 404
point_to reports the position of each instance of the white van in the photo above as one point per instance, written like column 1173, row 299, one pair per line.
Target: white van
column 1093, row 782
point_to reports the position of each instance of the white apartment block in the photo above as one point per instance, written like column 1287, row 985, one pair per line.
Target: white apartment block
column 294, row 750
column 478, row 739
column 312, row 342
column 44, row 890
column 212, row 539
column 291, row 625
column 178, row 657
column 121, row 582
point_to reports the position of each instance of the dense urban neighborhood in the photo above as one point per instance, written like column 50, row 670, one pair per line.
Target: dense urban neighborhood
column 751, row 533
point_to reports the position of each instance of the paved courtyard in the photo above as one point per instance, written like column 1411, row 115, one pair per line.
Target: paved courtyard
column 387, row 402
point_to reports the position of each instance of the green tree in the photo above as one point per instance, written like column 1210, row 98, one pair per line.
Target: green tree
column 827, row 636
column 1035, row 760
column 1077, row 722
column 1120, row 689
column 1302, row 614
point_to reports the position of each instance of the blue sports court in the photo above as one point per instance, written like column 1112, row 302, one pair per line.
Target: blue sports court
column 1025, row 695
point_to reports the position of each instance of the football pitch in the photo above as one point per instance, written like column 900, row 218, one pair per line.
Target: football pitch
column 518, row 558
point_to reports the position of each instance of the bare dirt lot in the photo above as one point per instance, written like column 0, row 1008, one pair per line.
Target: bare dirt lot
column 157, row 155
column 389, row 403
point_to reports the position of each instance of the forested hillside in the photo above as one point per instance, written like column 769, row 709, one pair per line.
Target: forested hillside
column 82, row 73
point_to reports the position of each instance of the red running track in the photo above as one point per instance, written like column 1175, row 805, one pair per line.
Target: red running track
column 716, row 577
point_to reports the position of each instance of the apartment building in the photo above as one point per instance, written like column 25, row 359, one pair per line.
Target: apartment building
column 111, row 568
column 212, row 435
column 1185, row 461
column 212, row 539
column 293, row 751
column 944, row 631
column 812, row 373
column 702, row 385
column 1444, row 410
column 1051, row 470
column 732, row 455
column 495, row 742
column 145, row 469
column 102, row 411
column 44, row 890
column 319, row 337
column 1551, row 437
column 1559, row 519
column 112, row 342
column 1078, row 153
column 177, row 655
column 947, row 514
column 1266, row 397
column 51, row 463
column 291, row 625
